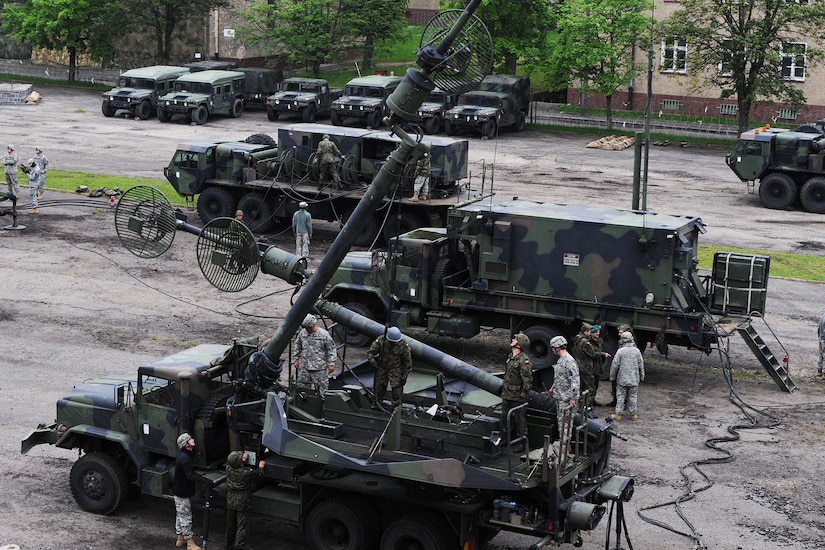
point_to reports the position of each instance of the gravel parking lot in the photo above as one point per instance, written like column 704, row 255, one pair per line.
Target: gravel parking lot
column 75, row 305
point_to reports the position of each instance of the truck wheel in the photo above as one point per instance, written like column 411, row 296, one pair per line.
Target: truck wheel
column 520, row 122
column 272, row 114
column 237, row 108
column 107, row 109
column 261, row 139
column 257, row 213
column 366, row 233
column 350, row 336
column 98, row 483
column 200, row 115
column 813, row 195
column 449, row 129
column 335, row 119
column 342, row 524
column 309, row 113
column 425, row 532
column 488, row 129
column 215, row 202
column 777, row 191
column 144, row 110
column 374, row 119
column 162, row 116
column 540, row 353
column 433, row 125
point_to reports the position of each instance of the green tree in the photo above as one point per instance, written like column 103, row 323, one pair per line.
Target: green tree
column 373, row 20
column 164, row 17
column 595, row 42
column 77, row 26
column 753, row 50
column 303, row 32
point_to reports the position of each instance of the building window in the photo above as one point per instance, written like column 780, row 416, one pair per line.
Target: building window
column 727, row 53
column 674, row 52
column 792, row 57
column 671, row 104
column 728, row 109
column 787, row 114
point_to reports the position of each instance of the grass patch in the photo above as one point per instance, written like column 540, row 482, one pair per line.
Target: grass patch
column 65, row 180
column 401, row 49
column 21, row 78
column 783, row 264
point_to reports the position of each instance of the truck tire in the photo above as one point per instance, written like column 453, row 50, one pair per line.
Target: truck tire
column 257, row 213
column 521, row 122
column 353, row 337
column 540, row 353
column 144, row 110
column 98, row 483
column 215, row 202
column 422, row 532
column 261, row 139
column 162, row 116
column 107, row 109
column 237, row 108
column 342, row 524
column 433, row 125
column 335, row 119
column 272, row 114
column 777, row 191
column 813, row 195
column 488, row 129
column 309, row 113
column 200, row 115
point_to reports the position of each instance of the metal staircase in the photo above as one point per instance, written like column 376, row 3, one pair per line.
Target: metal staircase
column 776, row 368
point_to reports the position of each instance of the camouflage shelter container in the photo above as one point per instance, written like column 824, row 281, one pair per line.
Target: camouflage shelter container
column 137, row 90
column 365, row 98
column 197, row 95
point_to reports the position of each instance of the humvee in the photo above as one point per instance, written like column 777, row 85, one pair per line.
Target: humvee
column 197, row 95
column 137, row 90
column 366, row 98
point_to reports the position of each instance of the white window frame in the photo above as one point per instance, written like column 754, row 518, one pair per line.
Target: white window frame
column 724, row 65
column 671, row 58
column 789, row 62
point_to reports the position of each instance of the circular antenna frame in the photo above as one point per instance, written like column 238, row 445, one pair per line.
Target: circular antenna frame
column 228, row 254
column 145, row 221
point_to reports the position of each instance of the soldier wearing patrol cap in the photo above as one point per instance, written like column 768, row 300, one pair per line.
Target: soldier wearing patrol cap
column 314, row 355
column 42, row 163
column 10, row 160
column 516, row 383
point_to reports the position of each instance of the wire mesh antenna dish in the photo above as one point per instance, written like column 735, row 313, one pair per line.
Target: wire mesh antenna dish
column 460, row 64
column 145, row 222
column 228, row 254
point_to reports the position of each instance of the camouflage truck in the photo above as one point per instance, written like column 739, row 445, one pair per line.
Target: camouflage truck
column 198, row 95
column 432, row 111
column 267, row 180
column 137, row 90
column 499, row 101
column 364, row 98
column 307, row 98
column 787, row 164
column 545, row 268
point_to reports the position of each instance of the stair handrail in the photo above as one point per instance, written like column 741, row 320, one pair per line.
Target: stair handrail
column 755, row 314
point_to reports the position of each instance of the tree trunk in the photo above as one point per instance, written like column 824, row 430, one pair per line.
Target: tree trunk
column 369, row 53
column 72, row 64
column 316, row 69
column 510, row 63
column 744, row 115
column 608, row 111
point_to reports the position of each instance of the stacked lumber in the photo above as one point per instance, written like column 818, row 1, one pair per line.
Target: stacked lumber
column 612, row 143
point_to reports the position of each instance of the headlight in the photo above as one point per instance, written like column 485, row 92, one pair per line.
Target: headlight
column 649, row 298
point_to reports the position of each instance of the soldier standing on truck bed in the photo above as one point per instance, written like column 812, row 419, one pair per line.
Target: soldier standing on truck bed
column 327, row 151
column 314, row 355
column 421, row 187
column 393, row 362
column 565, row 389
column 516, row 383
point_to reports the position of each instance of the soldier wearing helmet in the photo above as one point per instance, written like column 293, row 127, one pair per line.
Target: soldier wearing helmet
column 392, row 359
column 627, row 370
column 42, row 163
column 421, row 187
column 516, row 383
column 302, row 229
column 327, row 151
column 314, row 355
column 622, row 329
column 587, row 350
column 10, row 160
column 565, row 388
column 33, row 174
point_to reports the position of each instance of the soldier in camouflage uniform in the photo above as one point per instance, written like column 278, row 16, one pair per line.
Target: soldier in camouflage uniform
column 183, row 488
column 327, row 151
column 42, row 163
column 393, row 362
column 565, row 388
column 587, row 349
column 627, row 369
column 622, row 329
column 517, row 381
column 421, row 187
column 10, row 169
column 240, row 483
column 314, row 355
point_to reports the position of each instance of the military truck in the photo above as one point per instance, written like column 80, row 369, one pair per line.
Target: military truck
column 431, row 113
column 364, row 98
column 137, row 90
column 500, row 101
column 787, row 164
column 545, row 268
column 267, row 180
column 198, row 95
column 307, row 98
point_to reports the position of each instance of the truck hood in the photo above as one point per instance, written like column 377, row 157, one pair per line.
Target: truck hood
column 292, row 96
column 98, row 393
column 183, row 97
column 357, row 100
column 471, row 110
column 135, row 93
column 430, row 108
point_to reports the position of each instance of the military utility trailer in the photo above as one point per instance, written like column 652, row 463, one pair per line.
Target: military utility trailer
column 545, row 268
column 268, row 181
column 198, row 95
column 364, row 98
column 307, row 98
column 137, row 90
column 789, row 165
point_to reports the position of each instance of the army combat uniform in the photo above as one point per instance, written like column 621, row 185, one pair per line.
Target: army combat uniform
column 327, row 152
column 394, row 362
column 590, row 357
column 565, row 389
column 42, row 163
column 315, row 351
column 240, row 483
column 627, row 369
column 10, row 170
column 421, row 187
column 517, row 381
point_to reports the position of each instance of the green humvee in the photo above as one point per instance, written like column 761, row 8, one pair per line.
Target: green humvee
column 366, row 98
column 197, row 95
column 138, row 90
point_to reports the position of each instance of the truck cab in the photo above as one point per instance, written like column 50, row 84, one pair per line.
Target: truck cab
column 137, row 90
column 365, row 98
column 198, row 95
